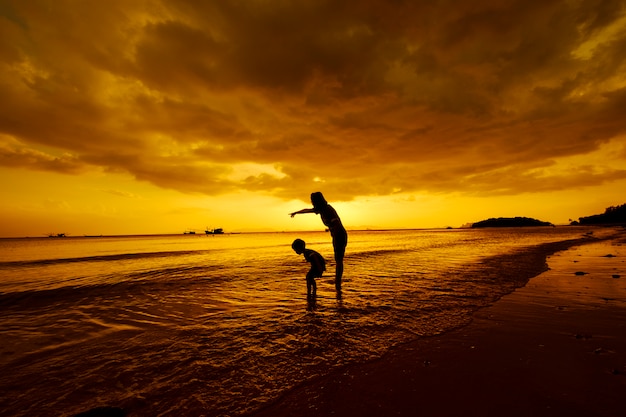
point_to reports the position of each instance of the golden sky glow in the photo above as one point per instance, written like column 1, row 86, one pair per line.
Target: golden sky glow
column 146, row 116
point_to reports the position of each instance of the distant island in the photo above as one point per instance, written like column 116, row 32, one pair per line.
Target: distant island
column 510, row 222
column 612, row 215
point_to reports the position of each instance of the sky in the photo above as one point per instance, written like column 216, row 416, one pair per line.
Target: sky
column 147, row 116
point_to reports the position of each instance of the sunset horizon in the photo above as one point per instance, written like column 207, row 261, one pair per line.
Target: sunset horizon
column 163, row 117
column 272, row 208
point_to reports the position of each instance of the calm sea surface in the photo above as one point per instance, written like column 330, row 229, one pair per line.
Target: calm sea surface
column 196, row 325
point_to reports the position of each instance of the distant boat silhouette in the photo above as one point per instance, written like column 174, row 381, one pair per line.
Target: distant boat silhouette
column 217, row 231
column 190, row 232
column 56, row 235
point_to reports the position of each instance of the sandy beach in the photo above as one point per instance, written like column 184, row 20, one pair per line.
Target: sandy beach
column 555, row 347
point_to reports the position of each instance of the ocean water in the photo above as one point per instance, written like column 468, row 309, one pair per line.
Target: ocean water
column 194, row 325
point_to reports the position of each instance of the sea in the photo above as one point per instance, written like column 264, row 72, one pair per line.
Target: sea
column 219, row 325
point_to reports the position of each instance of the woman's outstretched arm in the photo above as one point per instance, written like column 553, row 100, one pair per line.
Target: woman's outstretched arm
column 306, row 210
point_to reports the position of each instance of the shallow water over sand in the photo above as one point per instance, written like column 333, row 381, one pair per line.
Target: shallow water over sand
column 218, row 325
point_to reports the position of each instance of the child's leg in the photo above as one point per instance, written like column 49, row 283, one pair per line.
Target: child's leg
column 310, row 283
column 311, row 286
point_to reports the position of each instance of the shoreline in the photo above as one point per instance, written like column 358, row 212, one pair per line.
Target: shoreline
column 555, row 346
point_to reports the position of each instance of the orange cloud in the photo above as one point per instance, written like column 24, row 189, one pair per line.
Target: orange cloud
column 370, row 98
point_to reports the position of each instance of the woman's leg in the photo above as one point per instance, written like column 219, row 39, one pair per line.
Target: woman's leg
column 338, row 273
column 339, row 246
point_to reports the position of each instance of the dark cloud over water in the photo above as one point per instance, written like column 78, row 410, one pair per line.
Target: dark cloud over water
column 367, row 97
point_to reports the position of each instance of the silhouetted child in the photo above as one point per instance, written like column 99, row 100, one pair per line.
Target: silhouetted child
column 318, row 264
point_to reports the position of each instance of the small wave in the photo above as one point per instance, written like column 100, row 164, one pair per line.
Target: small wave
column 133, row 282
column 366, row 254
column 100, row 258
column 35, row 298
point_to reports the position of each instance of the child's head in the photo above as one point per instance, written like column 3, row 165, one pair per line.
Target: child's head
column 298, row 246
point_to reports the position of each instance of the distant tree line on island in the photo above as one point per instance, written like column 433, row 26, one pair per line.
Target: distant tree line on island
column 510, row 222
column 612, row 215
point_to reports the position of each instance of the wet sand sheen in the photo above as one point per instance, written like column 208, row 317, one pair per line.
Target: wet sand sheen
column 554, row 347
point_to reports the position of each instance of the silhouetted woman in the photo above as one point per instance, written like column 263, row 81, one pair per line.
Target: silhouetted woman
column 337, row 231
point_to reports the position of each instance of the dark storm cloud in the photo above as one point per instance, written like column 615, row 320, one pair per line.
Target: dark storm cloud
column 15, row 155
column 360, row 98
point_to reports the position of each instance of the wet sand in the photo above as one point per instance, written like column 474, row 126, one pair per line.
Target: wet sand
column 556, row 347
